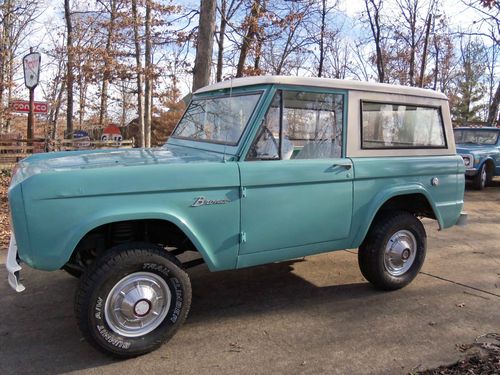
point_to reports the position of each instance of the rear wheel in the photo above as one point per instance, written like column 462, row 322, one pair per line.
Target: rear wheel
column 132, row 300
column 394, row 250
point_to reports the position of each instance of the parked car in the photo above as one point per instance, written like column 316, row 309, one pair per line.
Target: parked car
column 480, row 149
column 258, row 170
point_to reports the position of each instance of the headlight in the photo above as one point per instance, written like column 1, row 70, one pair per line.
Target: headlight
column 16, row 174
column 14, row 170
column 467, row 160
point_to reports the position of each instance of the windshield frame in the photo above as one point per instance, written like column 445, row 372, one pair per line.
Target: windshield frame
column 477, row 130
column 217, row 95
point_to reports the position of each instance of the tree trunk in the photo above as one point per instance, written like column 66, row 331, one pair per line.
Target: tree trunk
column 70, row 64
column 108, row 61
column 411, row 73
column 258, row 51
column 4, row 61
column 322, row 39
column 493, row 116
column 10, row 80
column 125, row 104
column 3, row 58
column 436, row 63
column 148, row 87
column 56, row 109
column 424, row 52
column 374, row 20
column 249, row 36
column 204, row 47
column 138, row 66
column 220, row 43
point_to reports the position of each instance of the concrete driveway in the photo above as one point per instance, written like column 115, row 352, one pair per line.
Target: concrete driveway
column 316, row 315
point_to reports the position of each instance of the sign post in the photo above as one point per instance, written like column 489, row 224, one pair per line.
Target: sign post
column 31, row 67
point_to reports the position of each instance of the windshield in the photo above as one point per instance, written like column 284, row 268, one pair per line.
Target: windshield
column 220, row 119
column 478, row 137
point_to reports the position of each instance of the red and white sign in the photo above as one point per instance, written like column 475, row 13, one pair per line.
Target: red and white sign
column 23, row 106
column 111, row 133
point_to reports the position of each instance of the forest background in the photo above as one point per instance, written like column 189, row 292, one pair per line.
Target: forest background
column 135, row 62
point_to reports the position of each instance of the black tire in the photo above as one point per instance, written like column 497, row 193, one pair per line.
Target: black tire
column 376, row 267
column 151, row 264
column 480, row 179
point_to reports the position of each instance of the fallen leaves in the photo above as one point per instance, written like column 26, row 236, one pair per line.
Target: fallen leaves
column 4, row 211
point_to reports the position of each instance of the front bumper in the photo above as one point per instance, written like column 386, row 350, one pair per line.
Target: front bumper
column 471, row 172
column 462, row 219
column 13, row 267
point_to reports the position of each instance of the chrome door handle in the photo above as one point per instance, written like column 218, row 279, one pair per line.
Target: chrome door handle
column 345, row 165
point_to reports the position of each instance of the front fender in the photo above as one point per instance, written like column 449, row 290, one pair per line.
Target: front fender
column 484, row 160
column 95, row 222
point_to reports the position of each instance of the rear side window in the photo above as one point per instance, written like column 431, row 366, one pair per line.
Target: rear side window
column 399, row 126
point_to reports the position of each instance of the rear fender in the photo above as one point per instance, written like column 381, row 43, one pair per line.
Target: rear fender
column 381, row 198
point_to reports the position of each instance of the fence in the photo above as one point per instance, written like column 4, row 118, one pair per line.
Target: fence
column 11, row 151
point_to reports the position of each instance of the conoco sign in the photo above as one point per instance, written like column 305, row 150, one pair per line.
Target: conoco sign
column 23, row 106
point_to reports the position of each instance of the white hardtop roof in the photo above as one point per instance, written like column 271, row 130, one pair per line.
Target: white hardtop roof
column 326, row 83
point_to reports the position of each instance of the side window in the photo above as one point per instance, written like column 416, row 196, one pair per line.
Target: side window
column 300, row 125
column 386, row 126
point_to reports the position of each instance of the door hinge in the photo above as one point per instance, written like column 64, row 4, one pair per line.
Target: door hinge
column 243, row 237
column 243, row 192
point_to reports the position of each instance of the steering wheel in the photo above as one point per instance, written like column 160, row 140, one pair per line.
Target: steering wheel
column 253, row 153
column 270, row 134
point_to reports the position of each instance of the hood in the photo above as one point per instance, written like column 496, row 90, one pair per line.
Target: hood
column 471, row 148
column 70, row 160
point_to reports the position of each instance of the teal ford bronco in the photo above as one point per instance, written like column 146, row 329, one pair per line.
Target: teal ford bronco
column 258, row 170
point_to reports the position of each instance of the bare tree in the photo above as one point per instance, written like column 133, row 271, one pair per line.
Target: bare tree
column 226, row 11
column 424, row 52
column 493, row 116
column 16, row 19
column 373, row 12
column 138, row 71
column 69, row 68
column 108, row 55
column 252, row 22
column 148, row 78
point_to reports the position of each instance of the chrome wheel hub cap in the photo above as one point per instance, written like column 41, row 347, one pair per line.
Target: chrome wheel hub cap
column 137, row 304
column 400, row 252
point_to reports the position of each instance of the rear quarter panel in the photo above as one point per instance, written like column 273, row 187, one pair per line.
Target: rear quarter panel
column 379, row 179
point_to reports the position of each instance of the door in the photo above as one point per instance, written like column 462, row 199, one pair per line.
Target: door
column 296, row 184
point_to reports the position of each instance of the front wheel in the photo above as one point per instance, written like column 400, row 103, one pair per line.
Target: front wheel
column 481, row 178
column 394, row 250
column 132, row 300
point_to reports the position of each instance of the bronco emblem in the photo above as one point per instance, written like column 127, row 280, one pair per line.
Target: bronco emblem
column 202, row 201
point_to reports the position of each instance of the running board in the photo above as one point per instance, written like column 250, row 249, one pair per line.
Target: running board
column 193, row 263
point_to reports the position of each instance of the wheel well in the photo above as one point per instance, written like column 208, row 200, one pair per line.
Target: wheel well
column 490, row 167
column 98, row 240
column 417, row 204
